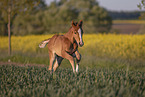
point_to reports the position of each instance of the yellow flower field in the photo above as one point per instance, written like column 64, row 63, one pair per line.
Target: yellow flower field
column 125, row 46
column 111, row 45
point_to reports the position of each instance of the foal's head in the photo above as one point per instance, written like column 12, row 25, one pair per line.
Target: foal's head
column 78, row 32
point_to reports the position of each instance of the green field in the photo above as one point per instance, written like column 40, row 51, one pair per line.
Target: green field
column 112, row 65
column 38, row 82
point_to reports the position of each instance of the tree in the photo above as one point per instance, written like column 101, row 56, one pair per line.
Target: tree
column 142, row 4
column 95, row 17
column 10, row 8
column 57, row 16
column 29, row 24
column 3, row 30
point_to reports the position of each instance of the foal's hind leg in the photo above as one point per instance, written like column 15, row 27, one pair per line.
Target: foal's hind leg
column 78, row 58
column 51, row 60
column 57, row 62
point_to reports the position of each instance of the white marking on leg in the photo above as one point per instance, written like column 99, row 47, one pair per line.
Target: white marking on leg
column 77, row 67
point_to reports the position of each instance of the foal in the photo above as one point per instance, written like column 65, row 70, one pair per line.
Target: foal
column 65, row 46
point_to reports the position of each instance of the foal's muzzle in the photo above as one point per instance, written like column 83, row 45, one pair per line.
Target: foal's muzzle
column 81, row 44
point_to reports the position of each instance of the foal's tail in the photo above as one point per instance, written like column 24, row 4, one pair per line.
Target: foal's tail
column 44, row 43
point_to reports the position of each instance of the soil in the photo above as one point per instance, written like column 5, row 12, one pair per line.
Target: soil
column 126, row 28
column 21, row 64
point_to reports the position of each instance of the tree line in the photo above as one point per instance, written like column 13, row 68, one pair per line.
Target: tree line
column 115, row 15
column 56, row 17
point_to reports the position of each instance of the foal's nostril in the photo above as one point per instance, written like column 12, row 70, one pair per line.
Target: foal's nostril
column 81, row 44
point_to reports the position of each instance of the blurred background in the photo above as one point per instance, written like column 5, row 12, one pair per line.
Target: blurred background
column 114, row 30
column 55, row 16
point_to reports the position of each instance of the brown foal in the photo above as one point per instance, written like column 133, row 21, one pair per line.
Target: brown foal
column 65, row 46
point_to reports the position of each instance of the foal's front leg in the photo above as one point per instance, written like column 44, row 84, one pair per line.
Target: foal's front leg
column 78, row 58
column 70, row 58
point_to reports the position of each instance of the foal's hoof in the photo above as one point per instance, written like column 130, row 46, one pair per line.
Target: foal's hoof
column 50, row 72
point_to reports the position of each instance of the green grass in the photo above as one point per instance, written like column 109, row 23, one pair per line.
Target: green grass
column 38, row 82
column 86, row 62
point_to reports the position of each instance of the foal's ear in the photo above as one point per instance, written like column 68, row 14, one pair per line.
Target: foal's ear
column 72, row 23
column 81, row 23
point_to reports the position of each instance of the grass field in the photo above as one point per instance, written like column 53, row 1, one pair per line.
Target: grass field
column 112, row 65
column 38, row 82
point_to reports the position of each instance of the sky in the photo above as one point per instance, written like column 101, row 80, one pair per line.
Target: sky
column 120, row 5
column 116, row 5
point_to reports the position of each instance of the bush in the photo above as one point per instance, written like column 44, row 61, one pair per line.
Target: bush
column 58, row 16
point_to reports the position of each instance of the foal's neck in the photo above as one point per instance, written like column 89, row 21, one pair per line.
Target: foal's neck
column 69, row 35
